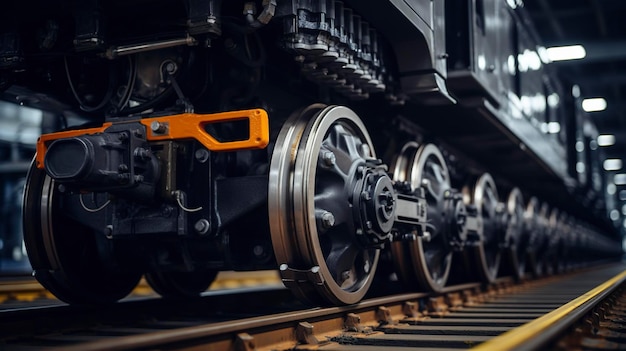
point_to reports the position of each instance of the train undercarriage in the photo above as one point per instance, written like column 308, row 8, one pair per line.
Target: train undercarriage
column 265, row 135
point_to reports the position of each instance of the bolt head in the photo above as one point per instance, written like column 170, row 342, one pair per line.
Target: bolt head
column 202, row 226
column 328, row 219
column 329, row 158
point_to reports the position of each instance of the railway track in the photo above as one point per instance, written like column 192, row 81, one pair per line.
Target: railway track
column 269, row 318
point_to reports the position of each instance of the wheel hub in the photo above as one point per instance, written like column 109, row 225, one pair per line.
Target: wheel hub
column 375, row 200
column 455, row 214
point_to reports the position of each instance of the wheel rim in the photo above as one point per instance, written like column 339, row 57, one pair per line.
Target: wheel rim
column 515, row 236
column 543, row 239
column 484, row 197
column 531, row 235
column 552, row 239
column 431, row 259
column 312, row 221
column 64, row 253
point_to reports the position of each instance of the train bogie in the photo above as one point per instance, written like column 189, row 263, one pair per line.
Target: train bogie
column 325, row 139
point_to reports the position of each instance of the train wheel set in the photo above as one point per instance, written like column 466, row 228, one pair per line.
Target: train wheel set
column 333, row 207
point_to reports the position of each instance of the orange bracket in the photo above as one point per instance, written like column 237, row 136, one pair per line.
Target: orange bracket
column 189, row 125
column 183, row 126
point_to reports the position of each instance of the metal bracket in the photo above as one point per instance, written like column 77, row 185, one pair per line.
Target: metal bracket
column 292, row 276
column 306, row 335
column 383, row 315
column 411, row 309
column 244, row 342
column 474, row 225
column 411, row 209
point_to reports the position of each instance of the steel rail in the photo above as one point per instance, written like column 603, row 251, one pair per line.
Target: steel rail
column 538, row 333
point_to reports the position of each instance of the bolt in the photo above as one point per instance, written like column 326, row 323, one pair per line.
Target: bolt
column 202, row 155
column 108, row 231
column 202, row 226
column 386, row 199
column 365, row 196
column 166, row 211
column 171, row 67
column 258, row 250
column 329, row 158
column 122, row 136
column 142, row 154
column 327, row 219
column 229, row 44
column 62, row 188
column 425, row 183
column 345, row 275
column 158, row 127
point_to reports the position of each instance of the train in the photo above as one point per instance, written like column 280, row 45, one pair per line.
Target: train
column 428, row 141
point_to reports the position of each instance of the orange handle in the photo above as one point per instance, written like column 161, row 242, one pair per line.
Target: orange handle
column 190, row 125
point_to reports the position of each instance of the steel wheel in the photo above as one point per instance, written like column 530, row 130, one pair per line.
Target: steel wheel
column 66, row 255
column 515, row 239
column 543, row 240
column 558, row 252
column 484, row 196
column 532, row 235
column 316, row 183
column 180, row 284
column 430, row 255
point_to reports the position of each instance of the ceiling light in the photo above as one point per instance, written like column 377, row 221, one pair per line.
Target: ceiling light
column 563, row 53
column 614, row 214
column 606, row 140
column 620, row 179
column 611, row 189
column 612, row 164
column 594, row 104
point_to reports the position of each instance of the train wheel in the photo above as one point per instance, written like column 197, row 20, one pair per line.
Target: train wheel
column 533, row 235
column 320, row 165
column 543, row 240
column 557, row 250
column 65, row 254
column 430, row 255
column 180, row 284
column 515, row 239
column 484, row 196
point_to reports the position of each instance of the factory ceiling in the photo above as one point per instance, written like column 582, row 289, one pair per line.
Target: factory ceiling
column 598, row 25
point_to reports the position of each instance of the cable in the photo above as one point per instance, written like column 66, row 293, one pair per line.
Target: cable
column 92, row 210
column 84, row 107
column 179, row 195
column 132, row 75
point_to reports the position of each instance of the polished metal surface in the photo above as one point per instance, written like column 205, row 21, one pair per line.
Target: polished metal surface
column 430, row 253
column 486, row 250
column 303, row 183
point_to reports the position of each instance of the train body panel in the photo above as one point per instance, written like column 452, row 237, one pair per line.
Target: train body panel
column 323, row 138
